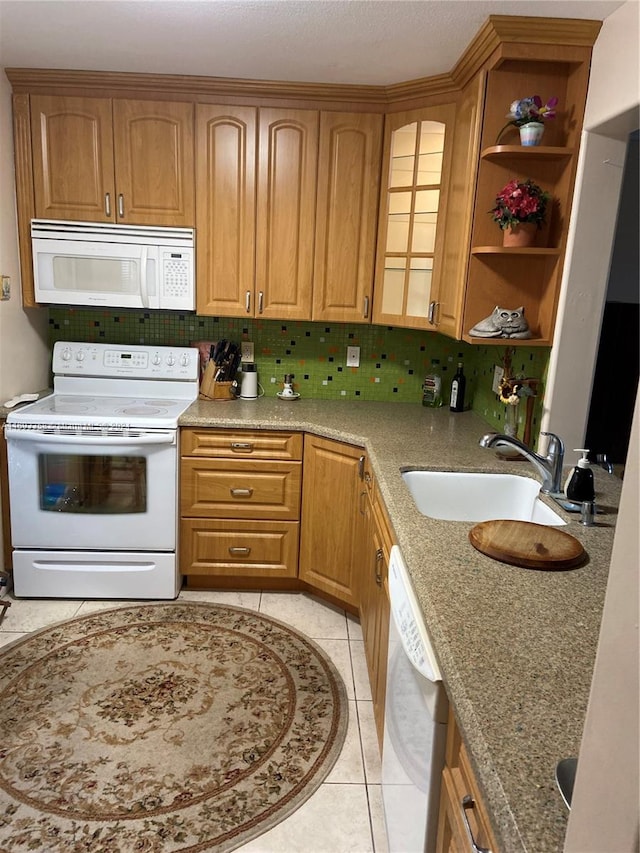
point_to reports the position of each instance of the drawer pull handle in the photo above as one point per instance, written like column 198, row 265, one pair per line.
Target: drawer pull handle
column 107, row 204
column 468, row 802
column 241, row 493
column 241, row 446
column 239, row 552
column 361, row 462
column 120, row 205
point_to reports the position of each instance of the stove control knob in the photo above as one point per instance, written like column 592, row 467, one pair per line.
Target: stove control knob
column 184, row 361
column 171, row 359
column 156, row 359
column 80, row 355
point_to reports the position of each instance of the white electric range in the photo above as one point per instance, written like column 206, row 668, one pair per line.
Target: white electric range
column 93, row 472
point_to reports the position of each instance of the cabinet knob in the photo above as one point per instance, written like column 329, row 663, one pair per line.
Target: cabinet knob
column 468, row 802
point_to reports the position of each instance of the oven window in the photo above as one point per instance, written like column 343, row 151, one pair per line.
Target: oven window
column 92, row 484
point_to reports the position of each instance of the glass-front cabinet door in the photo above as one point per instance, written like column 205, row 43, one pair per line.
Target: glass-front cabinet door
column 412, row 213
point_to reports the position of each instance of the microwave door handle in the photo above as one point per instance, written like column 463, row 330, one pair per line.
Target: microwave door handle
column 144, row 291
column 93, row 440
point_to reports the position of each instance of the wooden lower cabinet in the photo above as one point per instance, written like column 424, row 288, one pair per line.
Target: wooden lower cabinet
column 239, row 503
column 332, row 517
column 374, row 602
column 460, row 797
column 247, row 548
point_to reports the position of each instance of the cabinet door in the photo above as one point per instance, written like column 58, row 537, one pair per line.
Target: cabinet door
column 153, row 143
column 287, row 177
column 448, row 290
column 375, row 608
column 412, row 214
column 331, row 518
column 346, row 216
column 225, row 209
column 72, row 143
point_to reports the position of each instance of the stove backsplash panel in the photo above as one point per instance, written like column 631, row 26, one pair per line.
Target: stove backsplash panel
column 393, row 361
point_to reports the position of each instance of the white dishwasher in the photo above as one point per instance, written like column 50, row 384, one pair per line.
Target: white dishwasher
column 415, row 723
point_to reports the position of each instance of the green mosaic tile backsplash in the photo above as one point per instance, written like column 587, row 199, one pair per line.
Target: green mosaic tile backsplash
column 393, row 361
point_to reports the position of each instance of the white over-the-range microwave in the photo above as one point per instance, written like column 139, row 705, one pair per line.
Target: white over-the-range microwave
column 113, row 266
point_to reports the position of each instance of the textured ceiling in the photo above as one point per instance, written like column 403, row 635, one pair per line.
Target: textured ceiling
column 374, row 42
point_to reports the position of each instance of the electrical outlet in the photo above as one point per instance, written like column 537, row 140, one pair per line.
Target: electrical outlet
column 353, row 356
column 498, row 374
column 6, row 288
column 247, row 351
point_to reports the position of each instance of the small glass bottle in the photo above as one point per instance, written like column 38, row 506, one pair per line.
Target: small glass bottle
column 432, row 386
column 458, row 385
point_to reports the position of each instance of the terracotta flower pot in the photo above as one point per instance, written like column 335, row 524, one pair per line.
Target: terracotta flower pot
column 520, row 236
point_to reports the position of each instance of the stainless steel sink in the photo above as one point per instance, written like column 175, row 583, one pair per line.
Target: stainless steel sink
column 465, row 496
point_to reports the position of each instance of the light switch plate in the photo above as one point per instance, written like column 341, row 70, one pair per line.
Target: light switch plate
column 353, row 356
column 498, row 373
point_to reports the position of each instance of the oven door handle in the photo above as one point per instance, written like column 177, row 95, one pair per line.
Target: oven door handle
column 97, row 440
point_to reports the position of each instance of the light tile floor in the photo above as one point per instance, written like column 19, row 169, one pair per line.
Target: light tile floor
column 345, row 814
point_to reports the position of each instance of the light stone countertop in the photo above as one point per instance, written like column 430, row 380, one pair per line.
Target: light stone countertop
column 516, row 646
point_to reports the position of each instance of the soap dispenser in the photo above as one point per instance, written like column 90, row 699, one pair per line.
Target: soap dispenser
column 579, row 486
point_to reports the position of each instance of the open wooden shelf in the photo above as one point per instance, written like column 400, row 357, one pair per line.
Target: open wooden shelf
column 513, row 250
column 526, row 152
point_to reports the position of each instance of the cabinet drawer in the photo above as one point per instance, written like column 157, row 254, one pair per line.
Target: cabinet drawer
column 239, row 548
column 241, row 444
column 240, row 489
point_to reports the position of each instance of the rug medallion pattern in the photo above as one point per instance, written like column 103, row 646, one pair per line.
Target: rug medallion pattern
column 160, row 728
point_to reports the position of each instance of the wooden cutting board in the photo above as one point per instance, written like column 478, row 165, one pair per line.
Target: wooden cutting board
column 523, row 543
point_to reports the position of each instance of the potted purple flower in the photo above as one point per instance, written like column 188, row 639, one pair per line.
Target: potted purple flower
column 529, row 115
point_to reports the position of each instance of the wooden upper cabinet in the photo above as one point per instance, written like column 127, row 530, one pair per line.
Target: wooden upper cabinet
column 103, row 160
column 346, row 216
column 413, row 206
column 286, row 193
column 225, row 209
column 73, row 165
column 154, row 162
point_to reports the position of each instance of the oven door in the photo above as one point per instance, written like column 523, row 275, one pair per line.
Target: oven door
column 93, row 491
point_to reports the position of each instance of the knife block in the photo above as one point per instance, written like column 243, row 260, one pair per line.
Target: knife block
column 212, row 390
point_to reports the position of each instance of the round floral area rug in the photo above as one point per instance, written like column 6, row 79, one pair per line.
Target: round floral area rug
column 162, row 727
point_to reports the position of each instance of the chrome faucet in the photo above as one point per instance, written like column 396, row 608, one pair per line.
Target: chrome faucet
column 549, row 466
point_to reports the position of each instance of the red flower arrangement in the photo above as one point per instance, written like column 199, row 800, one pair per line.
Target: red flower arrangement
column 520, row 202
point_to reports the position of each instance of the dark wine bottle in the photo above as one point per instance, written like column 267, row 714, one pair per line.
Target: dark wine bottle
column 458, row 385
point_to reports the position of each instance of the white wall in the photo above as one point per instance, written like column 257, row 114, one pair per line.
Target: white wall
column 612, row 112
column 604, row 814
column 24, row 354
